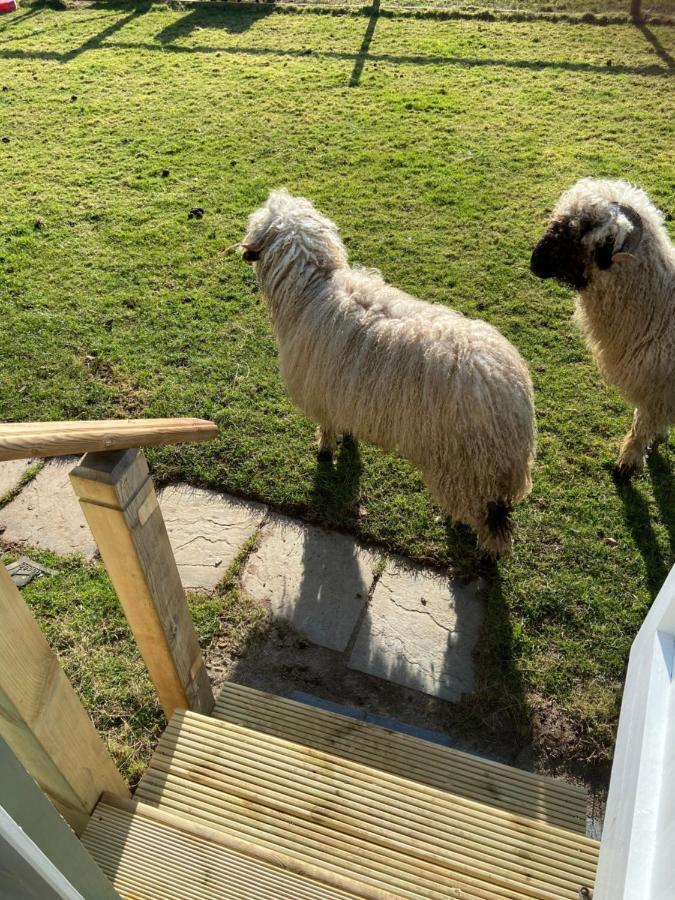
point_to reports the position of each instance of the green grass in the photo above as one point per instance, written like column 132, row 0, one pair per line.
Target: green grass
column 590, row 9
column 81, row 618
column 440, row 163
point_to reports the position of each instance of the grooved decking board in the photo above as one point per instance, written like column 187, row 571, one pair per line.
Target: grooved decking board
column 151, row 856
column 396, row 834
column 523, row 793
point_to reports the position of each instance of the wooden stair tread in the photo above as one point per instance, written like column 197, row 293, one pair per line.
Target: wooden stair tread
column 514, row 790
column 149, row 855
column 398, row 835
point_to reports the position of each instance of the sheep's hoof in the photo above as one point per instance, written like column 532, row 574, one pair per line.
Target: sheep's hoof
column 324, row 454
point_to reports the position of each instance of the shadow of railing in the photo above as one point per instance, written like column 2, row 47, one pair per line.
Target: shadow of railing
column 93, row 43
column 659, row 49
column 30, row 13
column 238, row 19
column 365, row 45
column 96, row 40
column 196, row 18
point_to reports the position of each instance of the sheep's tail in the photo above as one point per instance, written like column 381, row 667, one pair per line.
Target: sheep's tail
column 498, row 520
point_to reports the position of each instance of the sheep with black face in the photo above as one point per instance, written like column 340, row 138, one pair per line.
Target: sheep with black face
column 360, row 356
column 607, row 240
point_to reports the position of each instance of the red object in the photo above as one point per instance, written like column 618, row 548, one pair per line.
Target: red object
column 7, row 6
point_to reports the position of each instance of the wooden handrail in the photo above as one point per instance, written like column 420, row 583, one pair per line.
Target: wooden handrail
column 29, row 439
column 41, row 717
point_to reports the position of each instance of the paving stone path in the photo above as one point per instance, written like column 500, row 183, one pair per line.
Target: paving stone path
column 400, row 622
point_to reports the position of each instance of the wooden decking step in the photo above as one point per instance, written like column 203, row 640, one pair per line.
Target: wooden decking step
column 151, row 855
column 397, row 835
column 485, row 781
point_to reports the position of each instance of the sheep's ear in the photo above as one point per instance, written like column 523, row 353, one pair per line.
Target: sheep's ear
column 627, row 247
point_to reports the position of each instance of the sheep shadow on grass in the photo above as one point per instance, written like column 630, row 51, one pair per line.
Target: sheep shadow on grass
column 639, row 520
column 335, row 492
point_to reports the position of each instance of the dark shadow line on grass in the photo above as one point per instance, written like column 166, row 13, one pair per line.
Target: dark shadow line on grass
column 638, row 520
column 195, row 18
column 365, row 45
column 659, row 49
column 15, row 20
column 499, row 702
column 92, row 43
column 36, row 55
column 499, row 17
column 95, row 41
column 663, row 485
column 466, row 62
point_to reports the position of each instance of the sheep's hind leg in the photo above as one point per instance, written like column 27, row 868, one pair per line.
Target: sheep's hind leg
column 662, row 437
column 635, row 445
column 327, row 440
column 495, row 531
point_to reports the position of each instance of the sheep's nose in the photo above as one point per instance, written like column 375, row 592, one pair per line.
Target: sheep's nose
column 542, row 260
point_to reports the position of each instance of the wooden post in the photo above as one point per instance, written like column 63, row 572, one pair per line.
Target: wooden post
column 42, row 719
column 120, row 505
column 636, row 10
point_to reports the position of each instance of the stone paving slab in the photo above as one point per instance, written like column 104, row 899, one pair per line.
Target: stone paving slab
column 420, row 631
column 47, row 513
column 315, row 579
column 11, row 473
column 207, row 531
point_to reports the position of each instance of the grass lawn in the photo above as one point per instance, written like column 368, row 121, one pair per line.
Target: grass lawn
column 439, row 147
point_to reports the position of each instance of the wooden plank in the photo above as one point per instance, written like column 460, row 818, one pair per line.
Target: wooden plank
column 514, row 790
column 34, row 439
column 42, row 719
column 518, row 840
column 126, row 836
column 394, row 833
column 194, row 746
column 120, row 505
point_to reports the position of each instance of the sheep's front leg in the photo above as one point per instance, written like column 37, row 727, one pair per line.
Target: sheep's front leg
column 635, row 445
column 327, row 439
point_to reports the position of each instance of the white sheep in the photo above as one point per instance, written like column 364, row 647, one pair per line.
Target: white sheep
column 607, row 240
column 361, row 357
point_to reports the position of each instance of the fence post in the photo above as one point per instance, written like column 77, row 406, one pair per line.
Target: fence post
column 42, row 719
column 120, row 505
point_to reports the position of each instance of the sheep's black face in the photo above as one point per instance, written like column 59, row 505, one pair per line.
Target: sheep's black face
column 561, row 255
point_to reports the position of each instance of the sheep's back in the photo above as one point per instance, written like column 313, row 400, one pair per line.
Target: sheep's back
column 406, row 374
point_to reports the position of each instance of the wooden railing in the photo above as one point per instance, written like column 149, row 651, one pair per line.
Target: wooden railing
column 41, row 716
